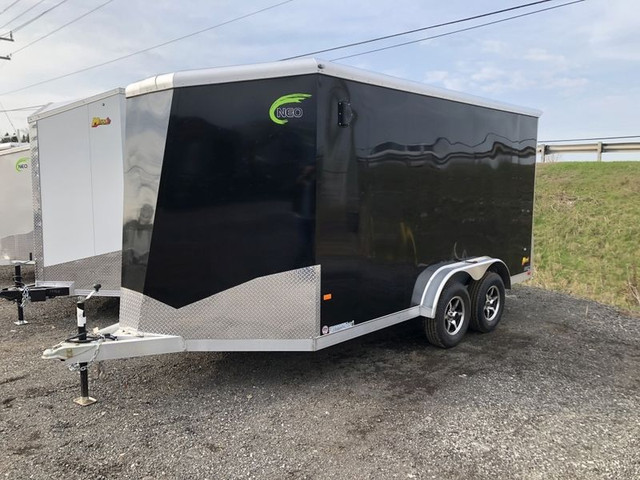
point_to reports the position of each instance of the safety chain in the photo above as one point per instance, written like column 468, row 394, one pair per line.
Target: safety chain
column 25, row 296
column 75, row 367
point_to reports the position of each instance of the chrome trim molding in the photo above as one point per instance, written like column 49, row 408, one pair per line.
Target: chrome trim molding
column 475, row 267
column 366, row 327
column 249, row 345
column 308, row 66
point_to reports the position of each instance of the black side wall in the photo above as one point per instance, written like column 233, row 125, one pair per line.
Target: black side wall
column 411, row 182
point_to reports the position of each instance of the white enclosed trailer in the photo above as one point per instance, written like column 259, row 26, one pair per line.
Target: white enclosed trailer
column 76, row 152
column 16, row 217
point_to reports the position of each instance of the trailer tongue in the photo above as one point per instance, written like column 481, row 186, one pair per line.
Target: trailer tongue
column 296, row 205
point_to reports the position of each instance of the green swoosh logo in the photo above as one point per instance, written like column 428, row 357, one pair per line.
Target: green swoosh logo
column 291, row 98
column 21, row 161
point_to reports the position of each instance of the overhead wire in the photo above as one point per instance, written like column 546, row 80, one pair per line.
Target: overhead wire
column 11, row 5
column 256, row 12
column 40, row 15
column 457, row 31
column 60, row 28
column 26, row 11
column 421, row 29
column 8, row 118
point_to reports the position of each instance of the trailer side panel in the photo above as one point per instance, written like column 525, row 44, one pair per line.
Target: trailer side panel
column 413, row 181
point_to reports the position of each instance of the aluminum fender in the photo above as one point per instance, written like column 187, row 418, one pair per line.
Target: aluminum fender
column 126, row 345
column 430, row 283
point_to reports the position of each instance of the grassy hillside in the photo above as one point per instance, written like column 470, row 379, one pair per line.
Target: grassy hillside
column 587, row 231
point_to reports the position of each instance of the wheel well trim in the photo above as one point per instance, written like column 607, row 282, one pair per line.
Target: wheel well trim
column 473, row 267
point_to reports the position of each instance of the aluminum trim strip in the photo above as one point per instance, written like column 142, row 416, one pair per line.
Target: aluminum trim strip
column 152, row 84
column 308, row 66
column 381, row 80
column 366, row 327
column 250, row 345
column 12, row 150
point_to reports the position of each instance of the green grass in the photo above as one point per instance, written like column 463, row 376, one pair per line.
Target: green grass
column 587, row 231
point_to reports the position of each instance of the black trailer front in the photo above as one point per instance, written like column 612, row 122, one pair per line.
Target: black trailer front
column 295, row 205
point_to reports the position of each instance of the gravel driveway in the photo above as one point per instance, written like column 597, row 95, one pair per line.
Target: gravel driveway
column 552, row 393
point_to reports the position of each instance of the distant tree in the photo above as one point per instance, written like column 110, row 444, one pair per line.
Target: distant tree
column 6, row 138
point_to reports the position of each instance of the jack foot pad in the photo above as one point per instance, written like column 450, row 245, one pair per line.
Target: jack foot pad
column 84, row 401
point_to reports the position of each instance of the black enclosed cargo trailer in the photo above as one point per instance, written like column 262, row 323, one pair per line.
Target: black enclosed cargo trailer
column 295, row 205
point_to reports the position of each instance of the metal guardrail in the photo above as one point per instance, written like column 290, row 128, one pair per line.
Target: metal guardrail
column 598, row 148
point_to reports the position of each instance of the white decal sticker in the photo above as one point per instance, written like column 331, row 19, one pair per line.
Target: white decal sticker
column 340, row 326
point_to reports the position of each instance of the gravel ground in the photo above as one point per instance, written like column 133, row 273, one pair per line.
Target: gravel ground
column 552, row 393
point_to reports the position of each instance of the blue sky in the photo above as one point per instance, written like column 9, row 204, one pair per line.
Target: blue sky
column 578, row 64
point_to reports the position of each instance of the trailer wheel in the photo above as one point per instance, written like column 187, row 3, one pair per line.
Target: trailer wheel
column 487, row 302
column 452, row 317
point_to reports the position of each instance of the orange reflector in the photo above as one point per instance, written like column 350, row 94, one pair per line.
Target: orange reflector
column 326, row 297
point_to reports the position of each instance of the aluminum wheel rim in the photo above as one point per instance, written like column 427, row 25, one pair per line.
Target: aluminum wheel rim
column 454, row 315
column 491, row 303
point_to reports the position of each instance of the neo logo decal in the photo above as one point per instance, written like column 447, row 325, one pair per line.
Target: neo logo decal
column 22, row 164
column 280, row 114
column 97, row 121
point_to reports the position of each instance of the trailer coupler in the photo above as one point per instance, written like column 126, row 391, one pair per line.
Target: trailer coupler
column 82, row 350
column 21, row 293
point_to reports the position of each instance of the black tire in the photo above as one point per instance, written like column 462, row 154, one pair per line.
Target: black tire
column 487, row 302
column 452, row 317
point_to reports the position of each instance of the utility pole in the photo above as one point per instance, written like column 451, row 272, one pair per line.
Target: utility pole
column 8, row 39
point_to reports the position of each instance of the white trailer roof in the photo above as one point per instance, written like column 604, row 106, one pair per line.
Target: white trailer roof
column 7, row 148
column 307, row 66
column 59, row 107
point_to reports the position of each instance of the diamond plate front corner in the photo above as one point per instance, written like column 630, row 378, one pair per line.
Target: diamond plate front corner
column 38, row 243
column 281, row 306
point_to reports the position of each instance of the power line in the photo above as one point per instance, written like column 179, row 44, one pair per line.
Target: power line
column 430, row 27
column 61, row 27
column 40, row 15
column 147, row 49
column 457, row 31
column 589, row 139
column 26, row 11
column 8, row 118
column 11, row 5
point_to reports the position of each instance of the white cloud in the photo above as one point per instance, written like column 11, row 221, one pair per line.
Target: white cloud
column 543, row 56
column 494, row 46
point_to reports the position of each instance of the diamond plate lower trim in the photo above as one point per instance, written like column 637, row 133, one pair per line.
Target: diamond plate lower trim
column 281, row 306
column 85, row 272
